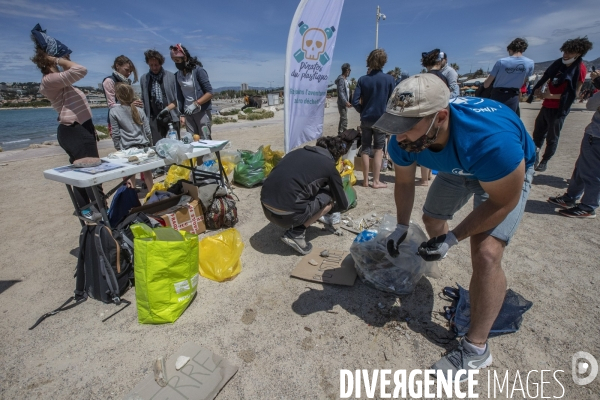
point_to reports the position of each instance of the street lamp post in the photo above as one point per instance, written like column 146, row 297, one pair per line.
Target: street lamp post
column 382, row 16
column 270, row 85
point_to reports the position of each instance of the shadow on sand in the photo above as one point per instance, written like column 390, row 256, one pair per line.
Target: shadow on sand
column 377, row 308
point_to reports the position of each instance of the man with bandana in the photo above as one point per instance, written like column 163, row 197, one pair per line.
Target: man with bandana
column 158, row 91
column 480, row 148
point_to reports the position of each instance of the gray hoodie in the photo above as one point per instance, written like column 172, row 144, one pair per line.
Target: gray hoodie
column 343, row 91
column 125, row 132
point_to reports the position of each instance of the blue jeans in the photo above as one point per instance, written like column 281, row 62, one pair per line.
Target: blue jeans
column 586, row 175
column 449, row 193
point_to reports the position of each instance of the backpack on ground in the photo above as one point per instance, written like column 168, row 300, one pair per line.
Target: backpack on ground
column 122, row 233
column 104, row 269
column 222, row 213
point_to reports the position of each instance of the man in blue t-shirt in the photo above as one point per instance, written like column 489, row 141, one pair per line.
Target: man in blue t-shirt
column 509, row 74
column 481, row 148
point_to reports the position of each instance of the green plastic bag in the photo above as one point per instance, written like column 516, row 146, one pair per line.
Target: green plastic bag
column 251, row 170
column 166, row 272
column 350, row 191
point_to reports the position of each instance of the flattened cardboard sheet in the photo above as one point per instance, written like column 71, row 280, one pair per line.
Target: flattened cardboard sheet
column 338, row 268
column 202, row 378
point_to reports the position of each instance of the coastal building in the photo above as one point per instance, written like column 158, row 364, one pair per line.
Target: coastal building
column 244, row 87
column 95, row 99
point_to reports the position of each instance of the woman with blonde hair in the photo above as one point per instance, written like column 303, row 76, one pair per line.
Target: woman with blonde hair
column 122, row 67
column 130, row 126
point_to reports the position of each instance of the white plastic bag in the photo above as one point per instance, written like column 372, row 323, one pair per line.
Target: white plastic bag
column 377, row 268
column 173, row 151
column 331, row 219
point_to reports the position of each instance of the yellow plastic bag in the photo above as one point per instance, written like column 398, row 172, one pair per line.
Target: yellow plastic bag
column 272, row 158
column 228, row 167
column 345, row 167
column 155, row 187
column 174, row 174
column 219, row 255
column 177, row 173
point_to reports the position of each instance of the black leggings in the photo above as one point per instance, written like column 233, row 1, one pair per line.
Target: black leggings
column 79, row 141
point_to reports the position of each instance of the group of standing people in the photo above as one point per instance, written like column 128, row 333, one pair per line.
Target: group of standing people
column 166, row 98
column 370, row 99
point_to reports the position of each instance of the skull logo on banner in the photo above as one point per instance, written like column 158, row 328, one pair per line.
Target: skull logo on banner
column 313, row 43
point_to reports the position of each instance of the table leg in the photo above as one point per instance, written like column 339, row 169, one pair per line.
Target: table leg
column 100, row 204
column 77, row 210
column 221, row 171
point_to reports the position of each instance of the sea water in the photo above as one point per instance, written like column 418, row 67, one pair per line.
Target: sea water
column 22, row 127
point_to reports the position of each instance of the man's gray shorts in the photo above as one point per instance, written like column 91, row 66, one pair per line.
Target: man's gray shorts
column 371, row 138
column 449, row 193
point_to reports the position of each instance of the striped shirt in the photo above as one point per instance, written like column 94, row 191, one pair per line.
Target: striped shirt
column 70, row 103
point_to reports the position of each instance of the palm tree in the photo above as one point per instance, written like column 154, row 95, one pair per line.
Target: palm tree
column 478, row 74
column 397, row 72
column 424, row 71
column 455, row 66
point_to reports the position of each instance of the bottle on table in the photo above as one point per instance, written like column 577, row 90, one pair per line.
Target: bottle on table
column 172, row 133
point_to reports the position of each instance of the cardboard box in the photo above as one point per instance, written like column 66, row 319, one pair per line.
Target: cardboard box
column 189, row 218
column 358, row 164
column 338, row 268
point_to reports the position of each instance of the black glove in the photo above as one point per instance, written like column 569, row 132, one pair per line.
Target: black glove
column 436, row 248
column 395, row 238
column 164, row 113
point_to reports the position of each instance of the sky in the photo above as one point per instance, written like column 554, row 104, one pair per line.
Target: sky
column 245, row 41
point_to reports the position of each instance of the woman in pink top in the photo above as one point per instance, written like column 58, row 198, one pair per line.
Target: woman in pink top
column 76, row 133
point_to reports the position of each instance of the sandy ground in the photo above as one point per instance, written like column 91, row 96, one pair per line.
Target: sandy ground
column 258, row 320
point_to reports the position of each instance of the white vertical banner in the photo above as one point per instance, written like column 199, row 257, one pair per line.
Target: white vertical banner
column 308, row 61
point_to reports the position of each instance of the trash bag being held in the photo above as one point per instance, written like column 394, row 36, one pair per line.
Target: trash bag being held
column 398, row 275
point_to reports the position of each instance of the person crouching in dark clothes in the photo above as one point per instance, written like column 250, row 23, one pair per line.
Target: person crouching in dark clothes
column 303, row 187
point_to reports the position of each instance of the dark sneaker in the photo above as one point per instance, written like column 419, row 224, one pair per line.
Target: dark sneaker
column 542, row 166
column 577, row 212
column 297, row 241
column 537, row 158
column 461, row 358
column 563, row 201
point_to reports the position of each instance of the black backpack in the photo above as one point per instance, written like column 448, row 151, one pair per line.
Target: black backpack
column 104, row 266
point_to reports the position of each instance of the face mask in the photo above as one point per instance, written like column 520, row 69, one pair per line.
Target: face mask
column 569, row 61
column 421, row 143
column 180, row 66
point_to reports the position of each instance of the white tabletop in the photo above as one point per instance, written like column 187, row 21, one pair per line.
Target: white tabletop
column 83, row 179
